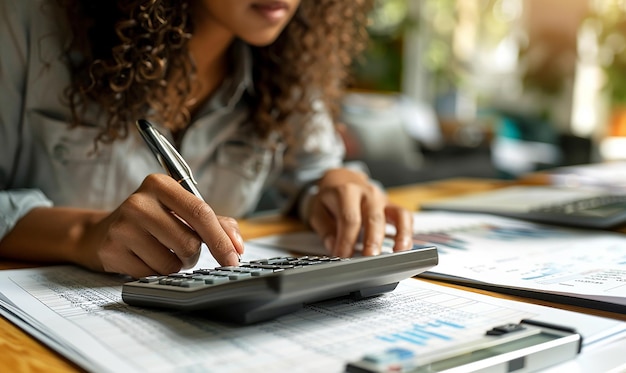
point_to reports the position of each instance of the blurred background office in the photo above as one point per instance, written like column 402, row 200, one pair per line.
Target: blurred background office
column 488, row 88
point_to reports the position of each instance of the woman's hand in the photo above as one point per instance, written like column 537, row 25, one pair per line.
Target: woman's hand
column 159, row 229
column 348, row 204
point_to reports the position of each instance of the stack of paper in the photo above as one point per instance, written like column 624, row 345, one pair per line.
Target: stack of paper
column 81, row 315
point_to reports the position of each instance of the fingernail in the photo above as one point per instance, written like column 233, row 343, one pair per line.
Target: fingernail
column 239, row 239
column 407, row 243
column 234, row 258
column 374, row 249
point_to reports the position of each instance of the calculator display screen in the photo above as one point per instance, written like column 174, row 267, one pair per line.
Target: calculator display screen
column 485, row 353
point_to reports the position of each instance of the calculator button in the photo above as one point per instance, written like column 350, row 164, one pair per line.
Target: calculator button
column 221, row 273
column 278, row 260
column 177, row 281
column 250, row 270
column 192, row 284
column 275, row 266
column 203, row 271
column 212, row 280
column 262, row 272
column 150, row 279
column 180, row 275
column 238, row 275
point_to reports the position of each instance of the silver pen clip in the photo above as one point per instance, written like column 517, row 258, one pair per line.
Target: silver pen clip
column 174, row 154
column 168, row 157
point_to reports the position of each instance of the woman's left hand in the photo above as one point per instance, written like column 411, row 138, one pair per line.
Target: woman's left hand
column 348, row 204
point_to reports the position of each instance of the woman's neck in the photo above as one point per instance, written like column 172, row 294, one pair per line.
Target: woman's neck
column 208, row 47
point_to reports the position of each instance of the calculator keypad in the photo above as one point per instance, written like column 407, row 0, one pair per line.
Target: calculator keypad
column 578, row 206
column 254, row 268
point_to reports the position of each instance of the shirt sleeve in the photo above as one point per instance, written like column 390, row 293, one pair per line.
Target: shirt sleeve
column 14, row 39
column 16, row 203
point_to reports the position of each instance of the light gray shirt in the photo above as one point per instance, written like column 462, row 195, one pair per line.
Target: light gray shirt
column 45, row 163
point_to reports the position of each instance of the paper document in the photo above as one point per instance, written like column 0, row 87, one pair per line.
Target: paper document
column 607, row 175
column 582, row 267
column 574, row 266
column 81, row 315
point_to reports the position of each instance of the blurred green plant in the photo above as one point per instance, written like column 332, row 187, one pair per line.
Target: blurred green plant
column 436, row 22
column 438, row 19
column 380, row 67
column 608, row 18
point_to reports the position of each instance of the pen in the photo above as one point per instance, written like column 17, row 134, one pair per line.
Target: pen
column 168, row 156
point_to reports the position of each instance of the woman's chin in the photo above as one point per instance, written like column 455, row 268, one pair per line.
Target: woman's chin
column 261, row 39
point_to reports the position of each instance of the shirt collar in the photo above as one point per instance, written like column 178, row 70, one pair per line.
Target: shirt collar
column 242, row 56
column 231, row 91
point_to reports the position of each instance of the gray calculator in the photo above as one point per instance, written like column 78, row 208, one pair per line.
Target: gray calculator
column 264, row 289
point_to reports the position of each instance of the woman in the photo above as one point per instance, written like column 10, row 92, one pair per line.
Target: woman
column 245, row 89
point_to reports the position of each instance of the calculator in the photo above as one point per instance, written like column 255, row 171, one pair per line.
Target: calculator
column 260, row 290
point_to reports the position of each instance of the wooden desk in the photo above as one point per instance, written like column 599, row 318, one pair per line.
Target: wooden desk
column 19, row 352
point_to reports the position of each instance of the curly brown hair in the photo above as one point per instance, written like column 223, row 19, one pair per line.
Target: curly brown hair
column 130, row 51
